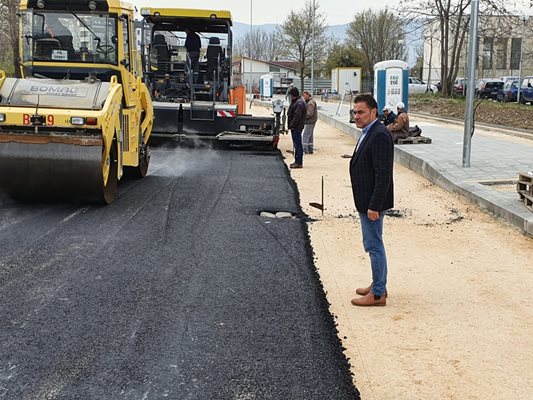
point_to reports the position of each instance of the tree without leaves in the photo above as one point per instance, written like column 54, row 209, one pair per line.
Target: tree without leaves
column 447, row 23
column 295, row 35
column 376, row 34
column 260, row 44
column 9, row 35
column 322, row 68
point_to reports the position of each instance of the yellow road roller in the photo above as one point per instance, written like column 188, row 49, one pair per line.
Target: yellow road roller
column 80, row 118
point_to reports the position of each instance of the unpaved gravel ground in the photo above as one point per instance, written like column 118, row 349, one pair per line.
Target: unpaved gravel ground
column 458, row 320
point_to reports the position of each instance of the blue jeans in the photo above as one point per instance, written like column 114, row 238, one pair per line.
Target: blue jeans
column 373, row 244
column 298, row 147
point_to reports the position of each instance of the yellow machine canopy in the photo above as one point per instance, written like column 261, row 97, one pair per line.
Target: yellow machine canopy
column 177, row 19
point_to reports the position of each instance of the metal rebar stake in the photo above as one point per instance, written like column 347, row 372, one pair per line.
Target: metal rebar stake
column 320, row 206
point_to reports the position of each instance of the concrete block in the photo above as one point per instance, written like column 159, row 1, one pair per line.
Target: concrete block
column 283, row 214
column 528, row 226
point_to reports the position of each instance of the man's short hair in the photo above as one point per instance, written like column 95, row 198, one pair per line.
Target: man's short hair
column 307, row 92
column 293, row 91
column 367, row 99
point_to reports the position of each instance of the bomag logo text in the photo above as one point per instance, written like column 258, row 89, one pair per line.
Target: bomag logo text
column 55, row 91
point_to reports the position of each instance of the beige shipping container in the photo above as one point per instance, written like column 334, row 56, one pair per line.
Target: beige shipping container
column 345, row 79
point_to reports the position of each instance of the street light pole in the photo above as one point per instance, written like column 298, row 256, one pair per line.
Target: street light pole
column 251, row 43
column 472, row 56
column 313, row 52
column 400, row 43
column 524, row 20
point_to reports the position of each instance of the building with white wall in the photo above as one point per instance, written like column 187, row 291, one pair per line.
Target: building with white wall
column 499, row 49
column 247, row 72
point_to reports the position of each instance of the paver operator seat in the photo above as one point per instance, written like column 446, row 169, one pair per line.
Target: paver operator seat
column 214, row 54
column 163, row 53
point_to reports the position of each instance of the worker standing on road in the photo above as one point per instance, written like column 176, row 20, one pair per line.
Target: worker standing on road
column 296, row 119
column 372, row 186
column 193, row 44
column 310, row 122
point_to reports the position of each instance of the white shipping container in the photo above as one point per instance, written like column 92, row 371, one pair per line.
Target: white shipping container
column 346, row 78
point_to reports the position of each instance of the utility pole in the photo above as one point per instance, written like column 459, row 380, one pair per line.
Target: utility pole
column 251, row 62
column 472, row 57
column 524, row 20
column 313, row 52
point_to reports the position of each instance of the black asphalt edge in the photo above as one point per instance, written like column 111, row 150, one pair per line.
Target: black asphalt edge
column 345, row 364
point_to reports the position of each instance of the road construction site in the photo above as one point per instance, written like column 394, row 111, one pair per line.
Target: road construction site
column 180, row 289
column 211, row 274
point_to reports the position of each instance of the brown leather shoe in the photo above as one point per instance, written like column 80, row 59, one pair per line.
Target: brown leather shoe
column 370, row 300
column 366, row 290
column 363, row 291
column 295, row 165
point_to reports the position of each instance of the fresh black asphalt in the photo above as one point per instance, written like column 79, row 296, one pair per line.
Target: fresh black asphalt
column 177, row 290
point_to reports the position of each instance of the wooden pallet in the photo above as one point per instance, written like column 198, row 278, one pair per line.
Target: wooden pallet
column 415, row 140
column 524, row 187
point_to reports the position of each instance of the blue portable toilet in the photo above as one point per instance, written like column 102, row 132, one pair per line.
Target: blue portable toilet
column 391, row 84
column 266, row 86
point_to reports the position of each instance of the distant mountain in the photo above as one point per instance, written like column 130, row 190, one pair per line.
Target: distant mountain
column 414, row 38
column 240, row 29
column 338, row 31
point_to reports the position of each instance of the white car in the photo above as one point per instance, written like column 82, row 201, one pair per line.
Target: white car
column 419, row 86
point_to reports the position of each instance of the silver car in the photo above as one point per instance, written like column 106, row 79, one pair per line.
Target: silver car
column 417, row 85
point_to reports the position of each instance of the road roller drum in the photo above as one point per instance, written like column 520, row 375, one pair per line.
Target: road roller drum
column 80, row 117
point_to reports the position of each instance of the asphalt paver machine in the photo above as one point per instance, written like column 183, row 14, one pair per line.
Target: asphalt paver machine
column 80, row 118
column 204, row 105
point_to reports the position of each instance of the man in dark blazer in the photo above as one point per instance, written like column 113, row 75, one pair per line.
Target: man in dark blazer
column 371, row 176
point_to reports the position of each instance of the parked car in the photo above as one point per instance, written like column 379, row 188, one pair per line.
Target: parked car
column 419, row 86
column 508, row 92
column 526, row 90
column 506, row 79
column 488, row 88
column 459, row 86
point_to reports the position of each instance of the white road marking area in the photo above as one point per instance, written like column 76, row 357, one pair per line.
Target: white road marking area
column 77, row 212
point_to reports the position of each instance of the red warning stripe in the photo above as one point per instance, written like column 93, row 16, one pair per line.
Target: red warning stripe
column 230, row 114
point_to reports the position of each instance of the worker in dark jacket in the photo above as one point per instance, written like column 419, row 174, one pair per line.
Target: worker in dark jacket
column 296, row 118
column 390, row 116
column 193, row 44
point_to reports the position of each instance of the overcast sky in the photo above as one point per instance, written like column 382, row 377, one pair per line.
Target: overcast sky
column 338, row 12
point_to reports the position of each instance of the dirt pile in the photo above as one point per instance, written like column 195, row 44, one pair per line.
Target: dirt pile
column 487, row 111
